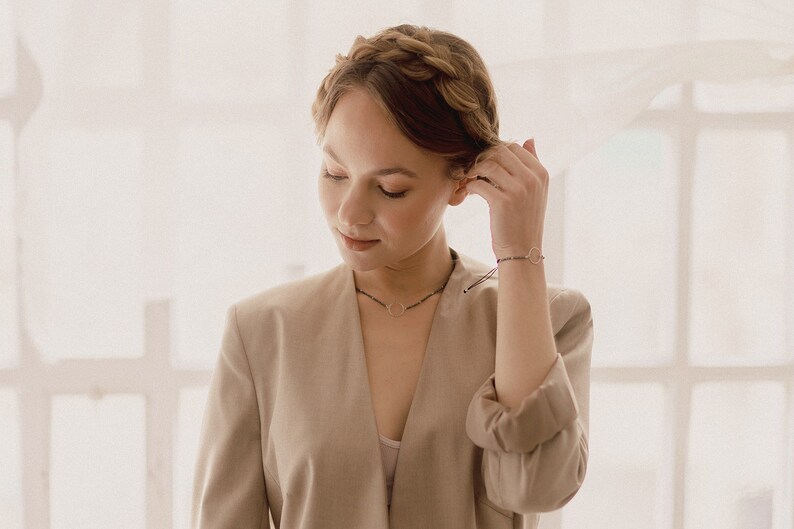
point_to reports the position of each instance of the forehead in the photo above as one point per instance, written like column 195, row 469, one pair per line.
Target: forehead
column 359, row 131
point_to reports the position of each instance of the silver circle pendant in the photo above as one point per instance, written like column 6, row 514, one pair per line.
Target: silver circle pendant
column 392, row 314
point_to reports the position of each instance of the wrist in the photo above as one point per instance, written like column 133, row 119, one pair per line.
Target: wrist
column 520, row 272
column 534, row 255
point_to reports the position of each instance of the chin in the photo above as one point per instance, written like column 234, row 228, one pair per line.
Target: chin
column 358, row 261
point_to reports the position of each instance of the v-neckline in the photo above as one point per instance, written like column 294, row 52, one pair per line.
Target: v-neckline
column 362, row 357
column 442, row 308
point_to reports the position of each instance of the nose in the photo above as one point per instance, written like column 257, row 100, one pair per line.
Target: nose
column 354, row 208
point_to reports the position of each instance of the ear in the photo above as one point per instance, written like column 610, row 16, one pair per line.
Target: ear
column 459, row 192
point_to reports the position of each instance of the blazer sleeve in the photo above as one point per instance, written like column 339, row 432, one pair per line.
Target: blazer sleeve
column 535, row 454
column 229, row 483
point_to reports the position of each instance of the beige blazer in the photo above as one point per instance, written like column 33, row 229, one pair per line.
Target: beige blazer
column 289, row 425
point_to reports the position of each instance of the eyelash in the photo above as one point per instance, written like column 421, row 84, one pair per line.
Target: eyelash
column 387, row 194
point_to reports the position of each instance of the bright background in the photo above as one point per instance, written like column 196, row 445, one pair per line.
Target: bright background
column 157, row 163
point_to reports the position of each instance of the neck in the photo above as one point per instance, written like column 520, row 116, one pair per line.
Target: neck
column 413, row 277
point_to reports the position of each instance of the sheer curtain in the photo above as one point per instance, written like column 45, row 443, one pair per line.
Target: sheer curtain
column 157, row 163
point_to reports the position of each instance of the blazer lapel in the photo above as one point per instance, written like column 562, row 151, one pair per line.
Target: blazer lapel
column 359, row 420
column 324, row 424
column 435, row 448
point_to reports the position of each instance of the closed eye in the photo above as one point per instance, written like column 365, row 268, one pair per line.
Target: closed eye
column 334, row 177
column 392, row 195
column 388, row 194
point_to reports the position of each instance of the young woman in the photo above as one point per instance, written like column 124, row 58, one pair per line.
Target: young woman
column 402, row 389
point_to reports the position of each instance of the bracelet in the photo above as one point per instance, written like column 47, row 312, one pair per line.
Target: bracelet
column 538, row 259
column 499, row 260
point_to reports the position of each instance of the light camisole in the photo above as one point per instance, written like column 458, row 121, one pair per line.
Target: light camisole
column 389, row 449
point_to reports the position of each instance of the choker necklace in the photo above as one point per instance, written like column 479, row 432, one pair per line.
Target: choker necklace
column 402, row 308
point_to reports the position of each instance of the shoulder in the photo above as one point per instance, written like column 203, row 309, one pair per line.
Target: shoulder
column 297, row 297
column 568, row 307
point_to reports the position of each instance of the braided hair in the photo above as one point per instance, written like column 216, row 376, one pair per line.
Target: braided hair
column 431, row 84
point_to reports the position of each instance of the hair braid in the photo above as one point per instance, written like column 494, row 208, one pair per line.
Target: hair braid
column 432, row 84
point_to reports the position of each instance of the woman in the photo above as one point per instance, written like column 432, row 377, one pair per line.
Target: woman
column 378, row 394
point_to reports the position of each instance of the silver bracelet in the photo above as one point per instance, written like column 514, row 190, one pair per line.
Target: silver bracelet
column 539, row 256
column 528, row 256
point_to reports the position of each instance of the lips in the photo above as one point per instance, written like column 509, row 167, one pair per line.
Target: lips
column 358, row 244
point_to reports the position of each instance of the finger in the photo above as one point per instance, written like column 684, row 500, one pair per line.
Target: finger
column 526, row 155
column 524, row 170
column 496, row 174
column 484, row 189
column 519, row 161
column 528, row 158
column 488, row 181
column 508, row 157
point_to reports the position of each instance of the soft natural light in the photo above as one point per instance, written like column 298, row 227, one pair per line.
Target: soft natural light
column 158, row 163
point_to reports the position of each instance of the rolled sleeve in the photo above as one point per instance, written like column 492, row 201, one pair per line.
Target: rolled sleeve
column 535, row 454
column 539, row 417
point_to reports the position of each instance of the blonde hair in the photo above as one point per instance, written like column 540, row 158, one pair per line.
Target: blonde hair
column 432, row 85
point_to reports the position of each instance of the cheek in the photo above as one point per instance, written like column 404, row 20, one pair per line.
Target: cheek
column 419, row 218
column 433, row 207
column 433, row 214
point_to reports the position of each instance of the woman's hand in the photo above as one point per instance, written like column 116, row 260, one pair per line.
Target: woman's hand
column 516, row 189
column 515, row 185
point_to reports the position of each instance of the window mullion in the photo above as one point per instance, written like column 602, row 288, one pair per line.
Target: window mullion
column 161, row 410
column 682, row 387
column 788, row 341
column 681, row 403
column 788, row 487
column 35, row 412
column 161, row 416
column 788, row 441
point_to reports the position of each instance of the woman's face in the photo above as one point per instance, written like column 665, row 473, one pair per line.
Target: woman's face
column 383, row 197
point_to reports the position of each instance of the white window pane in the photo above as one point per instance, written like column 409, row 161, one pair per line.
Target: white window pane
column 620, row 245
column 233, row 211
column 8, row 247
column 84, row 266
column 10, row 462
column 104, row 43
column 191, row 410
column 736, row 465
column 628, row 463
column 98, row 462
column 740, row 207
column 759, row 95
column 231, row 51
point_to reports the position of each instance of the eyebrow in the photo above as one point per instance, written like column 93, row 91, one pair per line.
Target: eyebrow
column 380, row 172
